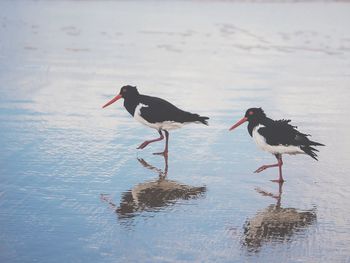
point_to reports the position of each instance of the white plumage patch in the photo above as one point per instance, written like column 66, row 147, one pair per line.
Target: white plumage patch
column 274, row 149
column 165, row 125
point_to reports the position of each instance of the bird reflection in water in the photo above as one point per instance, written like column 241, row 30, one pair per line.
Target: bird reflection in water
column 275, row 223
column 153, row 196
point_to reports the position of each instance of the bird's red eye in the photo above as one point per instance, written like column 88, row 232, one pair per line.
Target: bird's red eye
column 251, row 112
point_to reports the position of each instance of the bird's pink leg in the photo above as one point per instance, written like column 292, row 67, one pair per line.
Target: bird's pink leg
column 145, row 143
column 165, row 152
column 264, row 167
column 279, row 165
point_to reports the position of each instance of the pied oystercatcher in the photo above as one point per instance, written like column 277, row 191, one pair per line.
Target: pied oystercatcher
column 276, row 137
column 155, row 113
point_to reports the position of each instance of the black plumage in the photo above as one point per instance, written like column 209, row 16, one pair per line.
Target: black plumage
column 281, row 132
column 160, row 110
column 277, row 137
column 155, row 113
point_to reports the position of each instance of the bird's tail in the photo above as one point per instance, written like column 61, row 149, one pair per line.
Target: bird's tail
column 316, row 143
column 202, row 119
column 310, row 151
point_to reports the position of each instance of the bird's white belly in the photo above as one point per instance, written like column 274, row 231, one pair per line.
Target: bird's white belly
column 274, row 149
column 165, row 125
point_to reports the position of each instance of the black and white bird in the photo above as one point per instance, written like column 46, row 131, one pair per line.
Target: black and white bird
column 276, row 137
column 155, row 113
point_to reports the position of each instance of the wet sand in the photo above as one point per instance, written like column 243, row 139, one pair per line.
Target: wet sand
column 73, row 187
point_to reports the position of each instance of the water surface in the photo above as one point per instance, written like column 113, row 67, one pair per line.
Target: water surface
column 75, row 189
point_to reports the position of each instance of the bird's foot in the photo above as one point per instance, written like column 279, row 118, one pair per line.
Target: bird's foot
column 143, row 145
column 262, row 168
column 280, row 181
column 165, row 153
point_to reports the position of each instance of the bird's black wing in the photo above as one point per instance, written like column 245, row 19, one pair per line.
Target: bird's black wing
column 159, row 110
column 280, row 132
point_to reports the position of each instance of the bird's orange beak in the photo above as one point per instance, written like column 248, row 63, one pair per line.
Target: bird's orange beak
column 112, row 101
column 238, row 123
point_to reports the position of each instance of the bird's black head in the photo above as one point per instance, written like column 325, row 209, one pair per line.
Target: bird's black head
column 253, row 115
column 126, row 92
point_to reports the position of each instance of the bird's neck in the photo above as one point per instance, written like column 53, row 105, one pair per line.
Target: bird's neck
column 131, row 103
column 253, row 123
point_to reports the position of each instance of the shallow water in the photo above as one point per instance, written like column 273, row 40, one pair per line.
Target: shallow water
column 75, row 189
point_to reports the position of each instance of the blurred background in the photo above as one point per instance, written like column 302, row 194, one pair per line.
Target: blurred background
column 73, row 187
